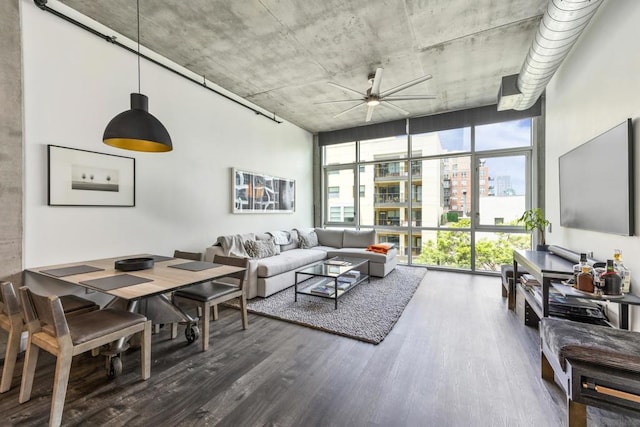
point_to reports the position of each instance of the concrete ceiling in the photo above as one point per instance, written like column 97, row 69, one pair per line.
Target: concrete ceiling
column 280, row 54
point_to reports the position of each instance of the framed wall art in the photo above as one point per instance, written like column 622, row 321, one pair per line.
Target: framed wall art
column 87, row 178
column 259, row 193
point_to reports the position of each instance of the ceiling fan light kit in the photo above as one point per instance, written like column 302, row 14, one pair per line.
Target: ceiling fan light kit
column 373, row 97
column 137, row 129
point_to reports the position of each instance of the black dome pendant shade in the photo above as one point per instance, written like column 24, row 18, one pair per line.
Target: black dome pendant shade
column 137, row 129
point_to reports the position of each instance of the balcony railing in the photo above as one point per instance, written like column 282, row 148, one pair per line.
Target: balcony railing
column 388, row 221
column 391, row 174
column 389, row 198
column 397, row 174
column 396, row 222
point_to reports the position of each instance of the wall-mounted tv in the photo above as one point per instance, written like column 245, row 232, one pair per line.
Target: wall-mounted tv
column 596, row 183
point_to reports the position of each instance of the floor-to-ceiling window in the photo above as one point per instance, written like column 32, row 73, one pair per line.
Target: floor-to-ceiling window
column 448, row 198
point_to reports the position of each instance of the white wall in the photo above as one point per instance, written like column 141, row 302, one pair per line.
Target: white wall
column 596, row 88
column 74, row 83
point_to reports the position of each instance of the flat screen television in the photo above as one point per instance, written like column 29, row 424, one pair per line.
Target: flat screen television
column 596, row 183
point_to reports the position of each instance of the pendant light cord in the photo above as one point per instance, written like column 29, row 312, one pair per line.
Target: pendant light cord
column 138, row 13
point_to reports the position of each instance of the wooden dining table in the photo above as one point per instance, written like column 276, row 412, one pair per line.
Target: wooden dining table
column 143, row 291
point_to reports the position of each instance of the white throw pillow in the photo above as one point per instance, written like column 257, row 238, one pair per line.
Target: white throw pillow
column 308, row 240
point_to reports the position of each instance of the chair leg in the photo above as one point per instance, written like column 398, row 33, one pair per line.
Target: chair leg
column 511, row 294
column 243, row 312
column 206, row 318
column 60, row 382
column 10, row 357
column 576, row 414
column 174, row 330
column 215, row 312
column 28, row 371
column 145, row 350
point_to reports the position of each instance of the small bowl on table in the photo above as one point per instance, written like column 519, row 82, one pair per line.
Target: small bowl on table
column 134, row 264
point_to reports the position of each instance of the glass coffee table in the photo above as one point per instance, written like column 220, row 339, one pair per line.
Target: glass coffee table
column 331, row 278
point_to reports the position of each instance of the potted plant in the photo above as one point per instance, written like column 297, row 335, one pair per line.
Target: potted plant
column 533, row 219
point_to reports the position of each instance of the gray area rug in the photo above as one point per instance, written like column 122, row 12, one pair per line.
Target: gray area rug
column 366, row 313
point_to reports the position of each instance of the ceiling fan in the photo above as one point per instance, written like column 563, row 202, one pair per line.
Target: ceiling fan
column 374, row 97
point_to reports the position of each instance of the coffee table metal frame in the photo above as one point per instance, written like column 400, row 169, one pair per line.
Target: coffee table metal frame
column 328, row 271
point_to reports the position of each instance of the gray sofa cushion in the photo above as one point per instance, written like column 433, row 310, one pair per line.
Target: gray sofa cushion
column 329, row 237
column 288, row 260
column 358, row 239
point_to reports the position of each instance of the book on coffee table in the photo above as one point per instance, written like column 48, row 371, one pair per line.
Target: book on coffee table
column 336, row 262
column 344, row 285
column 327, row 290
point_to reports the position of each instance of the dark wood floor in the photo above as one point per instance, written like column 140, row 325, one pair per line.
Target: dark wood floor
column 456, row 357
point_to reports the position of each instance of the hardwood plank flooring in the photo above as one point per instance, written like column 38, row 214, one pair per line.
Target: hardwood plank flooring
column 456, row 357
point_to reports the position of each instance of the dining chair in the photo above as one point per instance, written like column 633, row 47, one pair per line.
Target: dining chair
column 206, row 296
column 193, row 256
column 11, row 321
column 66, row 337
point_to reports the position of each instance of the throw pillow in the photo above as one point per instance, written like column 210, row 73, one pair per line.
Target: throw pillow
column 308, row 240
column 267, row 236
column 293, row 243
column 260, row 248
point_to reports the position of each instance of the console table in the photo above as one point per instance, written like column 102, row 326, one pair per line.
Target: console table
column 549, row 267
column 544, row 266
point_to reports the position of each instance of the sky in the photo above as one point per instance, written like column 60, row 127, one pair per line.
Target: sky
column 494, row 137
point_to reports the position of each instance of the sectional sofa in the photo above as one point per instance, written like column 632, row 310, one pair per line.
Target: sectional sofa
column 276, row 256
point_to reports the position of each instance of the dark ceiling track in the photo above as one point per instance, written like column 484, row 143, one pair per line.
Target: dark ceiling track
column 42, row 4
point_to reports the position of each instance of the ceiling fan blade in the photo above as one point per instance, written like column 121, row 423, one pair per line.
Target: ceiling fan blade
column 405, row 85
column 395, row 107
column 375, row 87
column 339, row 100
column 346, row 89
column 349, row 109
column 409, row 97
column 370, row 112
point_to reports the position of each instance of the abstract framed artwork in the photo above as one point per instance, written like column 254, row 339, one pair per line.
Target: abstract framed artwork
column 259, row 193
column 87, row 178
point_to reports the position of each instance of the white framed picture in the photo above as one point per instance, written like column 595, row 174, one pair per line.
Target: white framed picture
column 87, row 178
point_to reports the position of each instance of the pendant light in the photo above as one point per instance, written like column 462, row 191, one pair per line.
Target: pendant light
column 136, row 129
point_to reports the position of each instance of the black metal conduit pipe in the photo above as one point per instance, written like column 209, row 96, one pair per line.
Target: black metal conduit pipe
column 42, row 4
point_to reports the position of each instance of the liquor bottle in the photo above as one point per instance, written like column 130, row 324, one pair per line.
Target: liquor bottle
column 611, row 280
column 584, row 281
column 577, row 268
column 622, row 270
